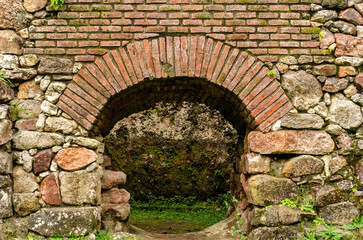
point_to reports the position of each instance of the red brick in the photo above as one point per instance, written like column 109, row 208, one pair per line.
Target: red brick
column 124, row 7
column 121, row 22
column 100, row 22
column 49, row 29
column 178, row 29
column 200, row 29
column 75, row 51
column 45, row 43
column 193, row 8
column 290, row 15
column 85, row 58
column 211, row 22
column 169, row 22
column 267, row 29
column 223, row 29
column 245, row 44
column 156, row 57
column 289, row 44
column 246, row 15
column 133, row 29
column 224, row 15
column 199, row 59
column 156, row 15
column 148, row 7
column 269, row 44
column 237, row 36
column 280, row 36
column 98, row 36
column 68, row 15
column 279, row 8
column 192, row 22
column 111, row 15
column 268, row 15
column 179, row 15
column 56, row 36
column 67, row 44
column 149, row 60
column 110, row 44
column 278, row 22
column 134, row 15
column 89, row 15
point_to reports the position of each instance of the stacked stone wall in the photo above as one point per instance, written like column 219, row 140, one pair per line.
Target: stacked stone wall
column 287, row 73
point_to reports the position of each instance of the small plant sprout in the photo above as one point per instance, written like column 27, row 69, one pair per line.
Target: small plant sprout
column 271, row 74
column 4, row 78
column 56, row 4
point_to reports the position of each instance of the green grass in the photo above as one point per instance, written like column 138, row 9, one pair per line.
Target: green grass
column 172, row 216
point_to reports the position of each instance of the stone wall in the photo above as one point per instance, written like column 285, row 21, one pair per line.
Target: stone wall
column 287, row 74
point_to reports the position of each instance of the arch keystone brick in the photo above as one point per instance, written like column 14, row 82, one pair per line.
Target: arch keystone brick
column 234, row 72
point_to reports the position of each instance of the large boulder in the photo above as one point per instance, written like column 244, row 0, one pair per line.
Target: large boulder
column 344, row 112
column 348, row 45
column 339, row 213
column 63, row 222
column 13, row 15
column 302, row 121
column 6, row 133
column 264, row 190
column 72, row 159
column 302, row 165
column 51, row 65
column 290, row 141
column 302, row 88
column 28, row 140
column 80, row 187
column 10, row 42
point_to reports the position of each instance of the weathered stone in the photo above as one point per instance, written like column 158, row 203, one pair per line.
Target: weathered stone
column 347, row 71
column 324, row 16
column 360, row 31
column 302, row 88
column 29, row 90
column 13, row 15
column 273, row 233
column 115, row 195
column 289, row 60
column 29, row 60
column 26, row 160
column 63, row 222
column 4, row 110
column 265, row 190
column 345, row 185
column 358, row 98
column 29, row 139
column 51, row 65
column 344, row 112
column 302, row 121
column 304, row 59
column 325, row 70
column 22, row 74
column 50, row 189
column 10, row 43
column 359, row 172
column 339, row 213
column 112, row 179
column 25, row 109
column 9, row 61
column 351, row 15
column 26, row 124
column 302, row 165
column 42, row 160
column 72, row 159
column 113, row 216
column 323, row 59
column 346, row 28
column 359, row 7
column 49, row 108
column 359, row 79
column 25, row 203
column 6, row 133
column 254, row 163
column 80, row 187
column 59, row 124
column 349, row 61
column 350, row 91
column 348, row 45
column 343, row 141
column 87, row 142
column 5, row 181
column 289, row 141
column 325, row 195
column 54, row 91
column 6, row 163
column 327, row 38
column 342, row 4
column 335, row 84
column 279, row 215
column 6, row 92
column 6, row 206
column 34, row 5
column 24, row 182
column 337, row 163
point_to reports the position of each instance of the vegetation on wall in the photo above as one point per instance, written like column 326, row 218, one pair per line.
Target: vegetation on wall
column 56, row 4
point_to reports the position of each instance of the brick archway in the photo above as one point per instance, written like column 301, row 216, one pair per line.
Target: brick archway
column 242, row 79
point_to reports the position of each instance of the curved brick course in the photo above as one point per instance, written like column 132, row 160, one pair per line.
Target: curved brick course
column 223, row 67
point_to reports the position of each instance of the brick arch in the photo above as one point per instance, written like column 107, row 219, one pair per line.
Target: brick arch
column 121, row 73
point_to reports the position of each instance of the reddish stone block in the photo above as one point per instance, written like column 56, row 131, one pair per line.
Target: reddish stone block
column 42, row 160
column 72, row 159
column 297, row 142
column 359, row 79
column 115, row 195
column 50, row 190
column 351, row 15
column 26, row 124
column 348, row 45
column 347, row 71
